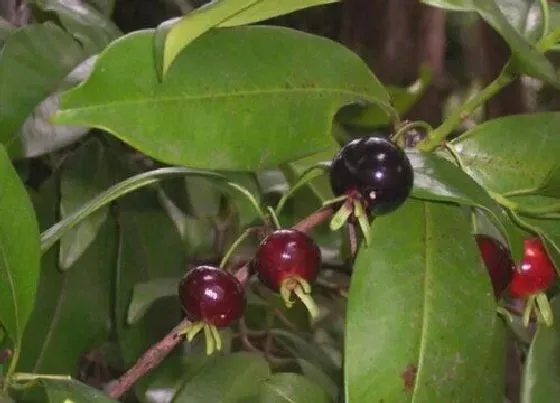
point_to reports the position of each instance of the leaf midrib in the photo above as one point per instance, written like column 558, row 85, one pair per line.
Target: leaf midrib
column 239, row 94
column 422, row 348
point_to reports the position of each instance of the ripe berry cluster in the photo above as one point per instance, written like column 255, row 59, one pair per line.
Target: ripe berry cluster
column 370, row 174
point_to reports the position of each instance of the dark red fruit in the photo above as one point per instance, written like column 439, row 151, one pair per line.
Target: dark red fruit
column 284, row 254
column 212, row 296
column 498, row 262
column 536, row 271
column 377, row 169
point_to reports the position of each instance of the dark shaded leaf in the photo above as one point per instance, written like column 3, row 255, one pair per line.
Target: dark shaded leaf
column 291, row 388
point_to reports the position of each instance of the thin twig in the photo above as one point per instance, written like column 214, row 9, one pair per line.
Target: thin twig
column 149, row 360
column 314, row 219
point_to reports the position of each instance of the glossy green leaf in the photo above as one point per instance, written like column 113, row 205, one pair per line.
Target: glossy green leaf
column 145, row 294
column 529, row 59
column 19, row 251
column 69, row 391
column 226, row 379
column 526, row 16
column 149, row 247
column 291, row 388
column 89, row 26
column 174, row 35
column 512, row 153
column 33, row 62
column 422, row 322
column 541, row 376
column 85, row 174
column 437, row 179
column 208, row 119
column 57, row 231
column 73, row 312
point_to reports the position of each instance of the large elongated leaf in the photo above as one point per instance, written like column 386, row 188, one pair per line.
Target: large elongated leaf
column 173, row 36
column 226, row 379
column 421, row 317
column 86, row 173
column 437, row 179
column 512, row 153
column 541, row 377
column 19, row 252
column 34, row 60
column 53, row 342
column 281, row 88
column 530, row 60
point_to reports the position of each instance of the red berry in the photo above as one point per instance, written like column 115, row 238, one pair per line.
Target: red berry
column 287, row 253
column 536, row 271
column 212, row 296
column 498, row 262
column 377, row 169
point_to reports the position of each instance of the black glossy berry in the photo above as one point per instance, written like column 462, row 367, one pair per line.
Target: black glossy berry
column 211, row 295
column 287, row 253
column 377, row 169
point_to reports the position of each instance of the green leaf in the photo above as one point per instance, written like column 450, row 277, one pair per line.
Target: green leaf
column 291, row 388
column 174, row 35
column 88, row 26
column 54, row 340
column 106, row 7
column 308, row 350
column 69, row 391
column 209, row 119
column 57, row 231
column 149, row 248
column 541, row 377
column 529, row 59
column 512, row 153
column 226, row 379
column 317, row 376
column 526, row 16
column 33, row 62
column 436, row 179
column 145, row 294
column 85, row 174
column 402, row 342
column 19, row 251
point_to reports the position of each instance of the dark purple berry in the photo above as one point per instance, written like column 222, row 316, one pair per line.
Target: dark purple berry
column 375, row 168
column 212, row 296
column 284, row 254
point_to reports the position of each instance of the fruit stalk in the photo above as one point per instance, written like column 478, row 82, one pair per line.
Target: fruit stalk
column 155, row 354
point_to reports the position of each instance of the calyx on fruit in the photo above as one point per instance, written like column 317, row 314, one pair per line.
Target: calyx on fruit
column 534, row 275
column 373, row 176
column 210, row 298
column 288, row 262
